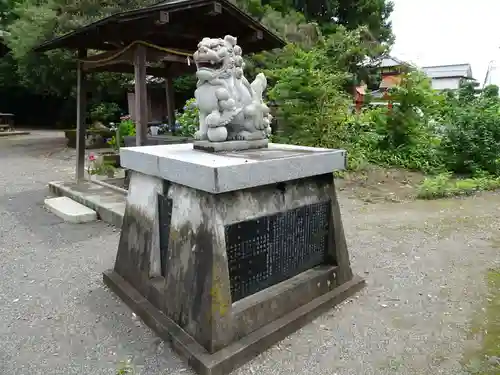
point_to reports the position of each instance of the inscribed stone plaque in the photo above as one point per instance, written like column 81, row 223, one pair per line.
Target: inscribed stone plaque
column 164, row 215
column 270, row 249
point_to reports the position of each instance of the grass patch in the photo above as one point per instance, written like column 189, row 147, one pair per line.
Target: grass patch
column 487, row 360
column 125, row 368
column 444, row 186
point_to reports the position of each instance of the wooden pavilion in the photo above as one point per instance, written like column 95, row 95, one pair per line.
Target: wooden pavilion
column 158, row 41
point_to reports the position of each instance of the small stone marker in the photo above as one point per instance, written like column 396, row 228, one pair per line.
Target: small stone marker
column 69, row 210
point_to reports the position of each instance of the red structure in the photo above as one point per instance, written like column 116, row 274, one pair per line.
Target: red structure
column 359, row 97
column 391, row 70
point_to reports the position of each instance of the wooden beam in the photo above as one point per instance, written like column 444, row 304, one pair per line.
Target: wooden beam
column 147, row 28
column 92, row 45
column 175, row 71
column 252, row 38
column 81, row 110
column 161, row 32
column 128, row 57
column 170, row 96
column 141, row 96
column 169, row 89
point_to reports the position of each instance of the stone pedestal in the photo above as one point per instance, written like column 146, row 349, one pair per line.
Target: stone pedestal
column 224, row 254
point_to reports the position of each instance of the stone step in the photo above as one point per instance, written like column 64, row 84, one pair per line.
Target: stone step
column 108, row 203
column 69, row 210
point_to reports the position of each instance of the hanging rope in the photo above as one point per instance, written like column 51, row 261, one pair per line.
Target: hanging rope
column 139, row 42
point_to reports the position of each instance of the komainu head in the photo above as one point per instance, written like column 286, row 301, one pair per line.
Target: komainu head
column 216, row 58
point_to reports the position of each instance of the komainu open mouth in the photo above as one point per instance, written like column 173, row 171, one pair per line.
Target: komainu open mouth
column 215, row 65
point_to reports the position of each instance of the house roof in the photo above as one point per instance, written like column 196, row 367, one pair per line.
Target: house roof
column 178, row 24
column 448, row 71
column 390, row 61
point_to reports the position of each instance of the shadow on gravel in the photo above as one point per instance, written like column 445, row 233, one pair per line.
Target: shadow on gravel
column 113, row 315
column 115, row 321
column 27, row 209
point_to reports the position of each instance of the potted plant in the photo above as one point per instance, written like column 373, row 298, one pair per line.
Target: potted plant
column 94, row 138
column 99, row 167
column 124, row 131
column 111, row 158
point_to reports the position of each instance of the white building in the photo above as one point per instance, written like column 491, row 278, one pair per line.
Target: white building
column 448, row 76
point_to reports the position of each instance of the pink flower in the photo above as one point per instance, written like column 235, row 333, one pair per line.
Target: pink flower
column 91, row 157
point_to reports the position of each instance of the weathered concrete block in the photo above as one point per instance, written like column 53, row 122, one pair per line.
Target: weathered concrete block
column 69, row 210
column 226, row 275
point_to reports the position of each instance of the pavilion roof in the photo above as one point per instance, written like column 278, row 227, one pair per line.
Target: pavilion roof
column 177, row 24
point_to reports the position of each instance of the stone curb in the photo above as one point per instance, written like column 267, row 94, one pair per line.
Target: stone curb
column 108, row 213
column 11, row 134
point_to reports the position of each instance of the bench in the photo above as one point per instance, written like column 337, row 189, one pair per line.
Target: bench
column 6, row 122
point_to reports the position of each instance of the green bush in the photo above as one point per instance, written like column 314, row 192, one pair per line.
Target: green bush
column 126, row 128
column 444, row 186
column 309, row 89
column 187, row 122
column 425, row 130
column 406, row 135
column 312, row 106
column 471, row 141
column 105, row 113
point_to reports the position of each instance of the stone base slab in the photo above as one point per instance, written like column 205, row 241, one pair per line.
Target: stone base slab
column 226, row 360
column 230, row 145
column 69, row 210
column 220, row 172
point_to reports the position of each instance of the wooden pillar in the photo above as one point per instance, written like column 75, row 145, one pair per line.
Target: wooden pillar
column 141, row 96
column 169, row 93
column 81, row 110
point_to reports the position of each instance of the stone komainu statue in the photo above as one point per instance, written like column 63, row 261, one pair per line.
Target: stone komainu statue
column 230, row 107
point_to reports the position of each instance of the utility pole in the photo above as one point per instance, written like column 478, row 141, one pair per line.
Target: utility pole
column 491, row 67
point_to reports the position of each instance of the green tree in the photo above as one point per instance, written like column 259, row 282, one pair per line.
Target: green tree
column 329, row 14
column 35, row 22
column 407, row 135
column 310, row 99
column 468, row 91
column 414, row 105
column 490, row 92
column 374, row 14
column 350, row 44
column 471, row 141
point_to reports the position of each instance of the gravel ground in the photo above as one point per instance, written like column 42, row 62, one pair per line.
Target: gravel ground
column 424, row 262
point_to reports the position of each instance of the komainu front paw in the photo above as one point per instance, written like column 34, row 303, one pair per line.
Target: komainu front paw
column 242, row 136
